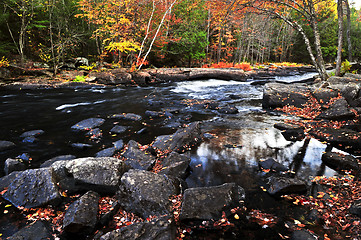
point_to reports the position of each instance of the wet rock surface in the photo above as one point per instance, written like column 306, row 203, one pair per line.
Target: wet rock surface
column 285, row 185
column 340, row 162
column 34, row 231
column 208, row 203
column 147, row 193
column 5, row 145
column 138, row 159
column 176, row 165
column 88, row 124
column 12, row 165
column 279, row 95
column 33, row 188
column 272, row 165
column 127, row 116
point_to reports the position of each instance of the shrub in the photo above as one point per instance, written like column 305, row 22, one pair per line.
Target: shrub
column 79, row 79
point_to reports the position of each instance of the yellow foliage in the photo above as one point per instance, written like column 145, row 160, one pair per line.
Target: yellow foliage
column 4, row 62
column 125, row 46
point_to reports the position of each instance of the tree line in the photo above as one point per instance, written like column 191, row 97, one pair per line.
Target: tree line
column 192, row 33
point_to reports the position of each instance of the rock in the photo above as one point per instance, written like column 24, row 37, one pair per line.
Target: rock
column 288, row 126
column 81, row 61
column 8, row 179
column 12, row 165
column 352, row 75
column 94, row 134
column 285, row 185
column 146, row 193
column 127, row 116
column 142, row 78
column 106, row 217
column 175, row 165
column 33, row 188
column 303, row 235
column 108, row 152
column 118, row 129
column 337, row 111
column 208, row 136
column 356, row 208
column 113, row 77
column 98, row 174
column 207, row 203
column 88, row 124
column 142, row 131
column 81, row 145
column 278, row 95
column 49, row 162
column 5, row 145
column 293, row 135
column 324, row 95
column 24, row 157
column 35, row 231
column 154, row 114
column 339, row 161
column 30, row 139
column 273, row 165
column 137, row 159
column 161, row 229
column 81, row 216
column 181, row 140
column 118, row 145
column 32, row 133
column 227, row 109
column 351, row 92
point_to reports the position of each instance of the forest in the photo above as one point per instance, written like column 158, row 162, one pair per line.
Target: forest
column 182, row 33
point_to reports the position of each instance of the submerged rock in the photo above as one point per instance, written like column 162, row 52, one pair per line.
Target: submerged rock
column 30, row 139
column 118, row 129
column 285, row 185
column 88, row 124
column 94, row 134
column 81, row 145
column 32, row 133
column 207, row 203
column 5, row 145
column 98, row 174
column 34, row 231
column 146, row 193
column 127, row 116
column 138, row 159
column 273, row 165
column 161, row 229
column 33, row 188
column 81, row 216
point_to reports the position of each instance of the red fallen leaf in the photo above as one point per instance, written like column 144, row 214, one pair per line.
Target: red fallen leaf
column 4, row 191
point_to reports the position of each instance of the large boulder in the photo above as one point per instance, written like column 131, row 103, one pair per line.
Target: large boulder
column 113, row 77
column 285, row 185
column 98, row 174
column 34, row 231
column 33, row 188
column 183, row 139
column 176, row 165
column 88, row 124
column 5, row 145
column 278, row 95
column 324, row 95
column 138, row 159
column 81, row 216
column 207, row 203
column 8, row 179
column 146, row 193
column 339, row 161
column 338, row 110
column 161, row 229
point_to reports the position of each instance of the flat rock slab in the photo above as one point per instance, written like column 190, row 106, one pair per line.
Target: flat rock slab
column 98, row 174
column 81, row 216
column 108, row 152
column 32, row 133
column 118, row 129
column 160, row 229
column 272, row 165
column 207, row 203
column 138, row 159
column 34, row 231
column 88, row 124
column 127, row 116
column 33, row 188
column 340, row 161
column 5, row 145
column 175, row 165
column 337, row 111
column 284, row 185
column 146, row 193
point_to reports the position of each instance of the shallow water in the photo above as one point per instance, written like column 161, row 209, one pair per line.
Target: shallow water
column 251, row 130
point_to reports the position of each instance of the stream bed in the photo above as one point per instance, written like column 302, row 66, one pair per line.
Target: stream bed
column 232, row 155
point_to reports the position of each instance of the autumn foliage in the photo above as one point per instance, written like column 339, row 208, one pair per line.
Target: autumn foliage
column 244, row 66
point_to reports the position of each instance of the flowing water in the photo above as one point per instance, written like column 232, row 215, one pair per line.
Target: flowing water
column 251, row 132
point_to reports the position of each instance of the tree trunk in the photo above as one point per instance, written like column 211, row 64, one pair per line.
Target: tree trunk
column 340, row 37
column 348, row 33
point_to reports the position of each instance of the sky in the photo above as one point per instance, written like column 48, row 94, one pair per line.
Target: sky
column 357, row 3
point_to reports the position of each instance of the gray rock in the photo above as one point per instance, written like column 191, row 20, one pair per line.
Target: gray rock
column 98, row 174
column 94, row 134
column 30, row 139
column 49, row 162
column 118, row 129
column 207, row 203
column 106, row 217
column 146, row 193
column 176, row 165
column 160, row 229
column 38, row 230
column 88, row 124
column 324, row 95
column 108, row 152
column 127, row 116
column 356, row 208
column 33, row 188
column 227, row 109
column 8, row 179
column 278, row 95
column 137, row 159
column 303, row 235
column 81, row 145
column 273, row 165
column 32, row 133
column 5, row 145
column 118, row 145
column 339, row 161
column 81, row 216
column 338, row 110
column 288, row 126
column 12, row 165
column 285, row 185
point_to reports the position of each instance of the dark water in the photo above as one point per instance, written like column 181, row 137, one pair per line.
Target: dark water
column 55, row 111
